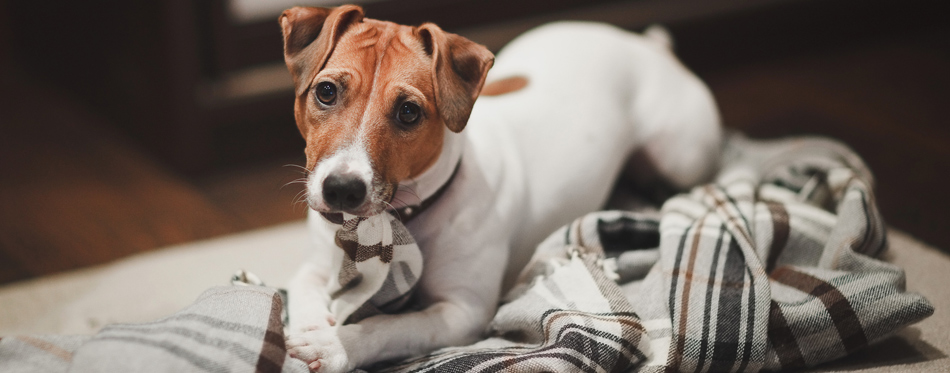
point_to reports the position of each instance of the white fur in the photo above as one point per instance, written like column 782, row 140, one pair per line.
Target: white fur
column 532, row 161
column 353, row 160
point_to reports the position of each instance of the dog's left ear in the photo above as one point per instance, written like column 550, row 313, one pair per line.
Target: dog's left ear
column 459, row 67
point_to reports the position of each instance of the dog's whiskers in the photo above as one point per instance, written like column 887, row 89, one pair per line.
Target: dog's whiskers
column 301, row 197
column 394, row 210
column 302, row 180
column 409, row 190
column 303, row 169
column 399, row 201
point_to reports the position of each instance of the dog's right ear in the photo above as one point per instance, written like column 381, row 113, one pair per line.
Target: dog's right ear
column 310, row 34
column 459, row 68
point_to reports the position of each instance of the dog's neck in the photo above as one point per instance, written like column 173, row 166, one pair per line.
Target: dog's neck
column 414, row 191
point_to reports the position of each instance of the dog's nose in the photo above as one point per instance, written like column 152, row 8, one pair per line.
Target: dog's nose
column 343, row 191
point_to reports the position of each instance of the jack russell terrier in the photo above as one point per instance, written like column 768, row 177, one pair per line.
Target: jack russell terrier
column 382, row 108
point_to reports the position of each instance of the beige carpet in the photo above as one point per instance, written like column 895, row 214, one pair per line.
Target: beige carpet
column 155, row 284
column 148, row 286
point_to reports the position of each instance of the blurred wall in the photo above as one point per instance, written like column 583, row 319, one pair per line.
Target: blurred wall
column 201, row 89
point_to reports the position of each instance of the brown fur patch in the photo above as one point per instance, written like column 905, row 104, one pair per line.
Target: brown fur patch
column 505, row 86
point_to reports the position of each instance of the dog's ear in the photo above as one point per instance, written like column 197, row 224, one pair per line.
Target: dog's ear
column 310, row 34
column 459, row 67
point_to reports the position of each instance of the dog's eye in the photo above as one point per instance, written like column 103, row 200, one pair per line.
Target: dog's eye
column 326, row 93
column 408, row 113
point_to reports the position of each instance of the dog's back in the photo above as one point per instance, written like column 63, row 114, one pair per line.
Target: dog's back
column 594, row 95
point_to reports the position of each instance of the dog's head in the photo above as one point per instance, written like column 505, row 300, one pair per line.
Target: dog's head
column 373, row 100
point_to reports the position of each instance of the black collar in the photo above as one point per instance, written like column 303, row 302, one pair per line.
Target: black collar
column 407, row 213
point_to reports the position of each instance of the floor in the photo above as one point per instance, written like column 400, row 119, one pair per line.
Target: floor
column 75, row 194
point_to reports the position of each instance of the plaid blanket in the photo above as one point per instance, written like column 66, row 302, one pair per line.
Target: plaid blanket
column 770, row 267
column 228, row 329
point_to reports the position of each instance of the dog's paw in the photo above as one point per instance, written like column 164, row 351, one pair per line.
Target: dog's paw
column 321, row 348
column 312, row 321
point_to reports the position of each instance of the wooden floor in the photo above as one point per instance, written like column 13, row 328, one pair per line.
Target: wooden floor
column 74, row 194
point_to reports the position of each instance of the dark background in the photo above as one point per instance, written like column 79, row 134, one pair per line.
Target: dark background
column 126, row 126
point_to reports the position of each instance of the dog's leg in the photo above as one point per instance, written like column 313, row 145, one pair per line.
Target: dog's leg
column 678, row 119
column 457, row 309
column 308, row 301
column 384, row 337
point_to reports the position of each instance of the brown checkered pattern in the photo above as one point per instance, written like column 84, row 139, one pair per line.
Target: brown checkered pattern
column 770, row 267
column 379, row 269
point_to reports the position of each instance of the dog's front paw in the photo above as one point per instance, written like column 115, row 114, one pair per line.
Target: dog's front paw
column 300, row 324
column 321, row 348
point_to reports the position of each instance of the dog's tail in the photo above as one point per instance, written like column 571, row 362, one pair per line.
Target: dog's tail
column 659, row 35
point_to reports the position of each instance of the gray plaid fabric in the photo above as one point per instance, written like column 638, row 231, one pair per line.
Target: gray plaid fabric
column 228, row 329
column 569, row 315
column 770, row 267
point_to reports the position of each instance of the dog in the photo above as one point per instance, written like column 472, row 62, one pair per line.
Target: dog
column 392, row 113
